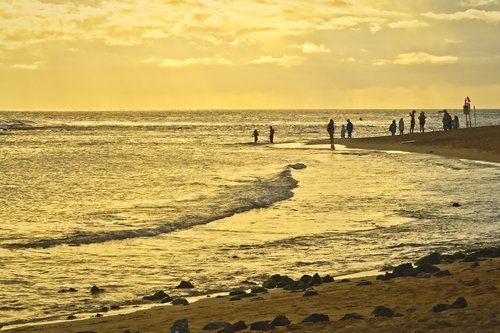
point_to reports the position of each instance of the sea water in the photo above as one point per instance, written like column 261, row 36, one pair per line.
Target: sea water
column 135, row 202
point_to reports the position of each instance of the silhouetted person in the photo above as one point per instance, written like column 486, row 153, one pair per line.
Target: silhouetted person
column 271, row 134
column 447, row 121
column 330, row 128
column 342, row 132
column 401, row 126
column 393, row 127
column 421, row 120
column 456, row 123
column 350, row 128
column 412, row 121
column 255, row 136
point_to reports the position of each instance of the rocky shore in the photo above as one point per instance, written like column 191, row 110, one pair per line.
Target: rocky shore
column 446, row 293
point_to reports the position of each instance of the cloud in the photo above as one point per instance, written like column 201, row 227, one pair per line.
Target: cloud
column 172, row 63
column 33, row 66
column 309, row 47
column 281, row 61
column 423, row 58
column 492, row 17
column 408, row 24
column 478, row 3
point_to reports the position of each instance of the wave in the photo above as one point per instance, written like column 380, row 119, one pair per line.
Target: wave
column 261, row 193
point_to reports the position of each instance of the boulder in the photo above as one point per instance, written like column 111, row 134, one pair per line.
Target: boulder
column 180, row 326
column 269, row 284
column 306, row 279
column 258, row 290
column 96, row 290
column 239, row 326
column 185, row 285
column 280, row 320
column 456, row 204
column 316, row 280
column 167, row 299
column 441, row 307
column 404, row 270
column 460, row 303
column 157, row 296
column 327, row 279
column 180, row 301
column 428, row 268
column 316, row 317
column 383, row 311
column 352, row 315
column 237, row 292
column 261, row 326
column 216, row 325
column 433, row 258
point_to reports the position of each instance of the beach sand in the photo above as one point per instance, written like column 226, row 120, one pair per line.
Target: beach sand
column 480, row 143
column 411, row 298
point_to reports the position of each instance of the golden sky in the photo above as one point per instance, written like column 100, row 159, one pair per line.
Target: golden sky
column 208, row 54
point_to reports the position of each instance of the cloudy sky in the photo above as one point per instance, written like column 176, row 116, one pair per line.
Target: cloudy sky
column 206, row 54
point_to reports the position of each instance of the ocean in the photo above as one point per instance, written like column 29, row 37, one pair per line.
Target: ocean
column 135, row 202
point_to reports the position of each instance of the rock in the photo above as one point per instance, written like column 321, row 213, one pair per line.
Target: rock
column 297, row 166
column 441, row 307
column 239, row 326
column 433, row 258
column 96, row 290
column 72, row 290
column 216, row 325
column 327, row 279
column 316, row 280
column 383, row 311
column 261, row 326
column 489, row 252
column 269, row 284
column 443, row 273
column 310, row 293
column 180, row 326
column 364, row 283
column 180, row 301
column 237, row 292
column 157, row 296
column 98, row 315
column 428, row 268
column 316, row 317
column 280, row 320
column 257, row 290
column 249, row 282
column 306, row 279
column 167, row 299
column 460, row 303
column 104, row 309
column 114, row 307
column 71, row 317
column 276, row 278
column 352, row 315
column 185, row 285
column 456, row 204
column 247, row 295
column 385, row 277
column 404, row 270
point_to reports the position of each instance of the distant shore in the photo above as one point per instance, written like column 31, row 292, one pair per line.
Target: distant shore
column 454, row 293
column 479, row 143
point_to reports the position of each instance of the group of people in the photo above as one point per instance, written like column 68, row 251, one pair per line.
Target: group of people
column 348, row 128
column 448, row 123
column 271, row 135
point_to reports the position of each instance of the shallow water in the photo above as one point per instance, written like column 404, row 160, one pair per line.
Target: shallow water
column 134, row 202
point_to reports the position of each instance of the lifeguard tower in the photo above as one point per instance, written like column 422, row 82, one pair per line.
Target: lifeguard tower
column 468, row 121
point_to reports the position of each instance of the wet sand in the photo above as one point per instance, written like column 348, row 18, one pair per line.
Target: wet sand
column 411, row 298
column 480, row 143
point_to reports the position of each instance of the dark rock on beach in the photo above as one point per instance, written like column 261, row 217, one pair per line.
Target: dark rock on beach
column 428, row 268
column 96, row 290
column 257, row 290
column 237, row 292
column 443, row 273
column 456, row 204
column 71, row 317
column 216, row 325
column 308, row 293
column 441, row 307
column 180, row 301
column 185, row 285
column 280, row 320
column 316, row 280
column 316, row 317
column 70, row 290
column 383, row 311
column 157, row 296
column 180, row 326
column 166, row 299
column 261, row 326
column 327, row 279
column 459, row 303
column 433, row 258
column 405, row 270
column 239, row 326
column 352, row 315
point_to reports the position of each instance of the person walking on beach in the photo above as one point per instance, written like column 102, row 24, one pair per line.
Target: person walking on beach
column 392, row 127
column 330, row 128
column 342, row 131
column 401, row 126
column 350, row 128
column 456, row 123
column 421, row 120
column 271, row 134
column 412, row 121
column 255, row 136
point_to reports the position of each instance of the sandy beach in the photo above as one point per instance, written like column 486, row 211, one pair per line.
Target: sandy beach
column 410, row 305
column 480, row 143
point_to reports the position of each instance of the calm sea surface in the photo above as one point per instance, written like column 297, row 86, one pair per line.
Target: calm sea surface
column 135, row 202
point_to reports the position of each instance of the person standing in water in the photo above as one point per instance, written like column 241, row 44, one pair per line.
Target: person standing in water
column 255, row 136
column 401, row 126
column 350, row 128
column 342, row 132
column 330, row 128
column 271, row 134
column 392, row 127
column 421, row 120
column 412, row 121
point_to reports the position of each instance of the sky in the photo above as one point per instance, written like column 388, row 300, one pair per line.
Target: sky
column 260, row 54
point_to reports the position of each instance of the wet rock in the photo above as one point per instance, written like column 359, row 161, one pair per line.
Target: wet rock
column 352, row 315
column 258, row 290
column 216, row 325
column 261, row 326
column 383, row 311
column 114, row 307
column 180, row 301
column 280, row 320
column 385, row 277
column 239, row 326
column 157, row 296
column 167, row 299
column 489, row 252
column 441, row 307
column 71, row 317
column 269, row 284
column 104, row 309
column 316, row 280
column 460, row 303
column 310, row 293
column 306, row 279
column 327, row 279
column 185, row 285
column 70, row 290
column 456, row 204
column 180, row 326
column 297, row 166
column 428, row 268
column 237, row 292
column 404, row 270
column 95, row 290
column 316, row 317
column 364, row 283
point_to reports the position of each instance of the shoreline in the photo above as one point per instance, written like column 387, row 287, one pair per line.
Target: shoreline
column 478, row 143
column 411, row 295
